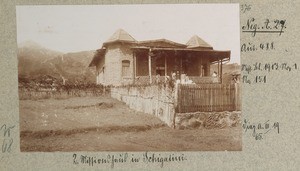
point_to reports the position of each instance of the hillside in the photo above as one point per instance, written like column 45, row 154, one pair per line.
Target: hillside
column 35, row 61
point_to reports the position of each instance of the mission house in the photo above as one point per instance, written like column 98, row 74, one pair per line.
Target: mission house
column 122, row 60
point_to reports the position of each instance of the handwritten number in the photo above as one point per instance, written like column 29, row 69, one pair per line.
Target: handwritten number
column 6, row 146
column 258, row 136
column 276, row 23
column 295, row 66
column 6, row 130
column 7, row 141
column 74, row 160
column 245, row 7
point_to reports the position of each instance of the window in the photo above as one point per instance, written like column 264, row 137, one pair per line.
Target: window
column 125, row 68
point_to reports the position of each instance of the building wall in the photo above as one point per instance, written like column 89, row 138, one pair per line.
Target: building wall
column 115, row 53
column 100, row 69
column 100, row 78
column 127, row 54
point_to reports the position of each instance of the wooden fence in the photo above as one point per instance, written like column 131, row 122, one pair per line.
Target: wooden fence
column 208, row 97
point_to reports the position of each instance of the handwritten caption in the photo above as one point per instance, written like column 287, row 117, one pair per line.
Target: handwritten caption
column 261, row 70
column 267, row 26
column 253, row 26
column 112, row 160
column 7, row 139
column 257, row 73
column 259, row 130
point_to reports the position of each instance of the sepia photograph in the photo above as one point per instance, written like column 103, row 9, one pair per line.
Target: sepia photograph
column 129, row 77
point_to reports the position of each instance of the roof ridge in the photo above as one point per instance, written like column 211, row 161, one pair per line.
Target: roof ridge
column 196, row 41
column 120, row 35
column 161, row 39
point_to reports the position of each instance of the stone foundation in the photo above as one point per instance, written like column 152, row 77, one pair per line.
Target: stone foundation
column 207, row 120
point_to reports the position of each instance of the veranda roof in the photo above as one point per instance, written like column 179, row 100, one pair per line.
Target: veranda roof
column 97, row 56
column 213, row 55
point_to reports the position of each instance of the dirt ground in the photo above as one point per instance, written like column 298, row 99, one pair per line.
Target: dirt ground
column 105, row 124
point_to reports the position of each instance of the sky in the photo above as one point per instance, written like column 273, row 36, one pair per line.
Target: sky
column 76, row 28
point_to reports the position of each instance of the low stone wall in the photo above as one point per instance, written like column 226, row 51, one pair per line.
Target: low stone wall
column 156, row 99
column 161, row 101
column 207, row 120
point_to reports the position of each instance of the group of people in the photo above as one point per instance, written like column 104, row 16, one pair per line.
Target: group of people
column 184, row 79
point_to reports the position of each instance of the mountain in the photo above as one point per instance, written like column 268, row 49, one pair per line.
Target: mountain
column 35, row 61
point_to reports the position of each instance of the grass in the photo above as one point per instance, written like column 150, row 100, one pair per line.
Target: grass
column 105, row 124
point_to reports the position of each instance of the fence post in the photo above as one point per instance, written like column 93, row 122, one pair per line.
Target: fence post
column 236, row 96
column 177, row 101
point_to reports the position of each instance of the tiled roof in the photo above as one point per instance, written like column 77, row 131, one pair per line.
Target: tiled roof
column 196, row 41
column 121, row 35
